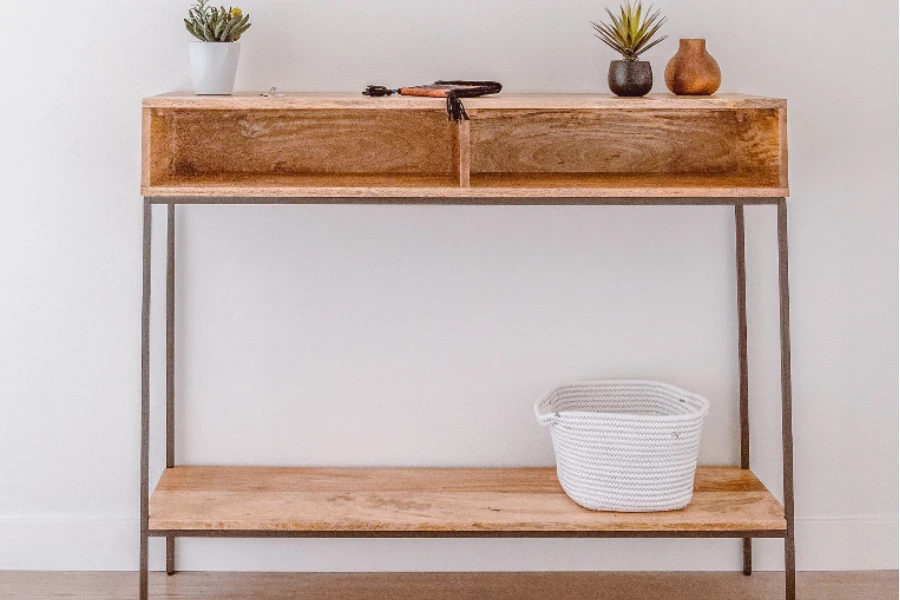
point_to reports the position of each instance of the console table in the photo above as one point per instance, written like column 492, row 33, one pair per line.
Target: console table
column 727, row 149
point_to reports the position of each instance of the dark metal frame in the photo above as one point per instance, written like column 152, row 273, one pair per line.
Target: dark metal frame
column 786, row 396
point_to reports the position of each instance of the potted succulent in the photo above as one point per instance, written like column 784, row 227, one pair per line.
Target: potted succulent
column 630, row 34
column 214, row 58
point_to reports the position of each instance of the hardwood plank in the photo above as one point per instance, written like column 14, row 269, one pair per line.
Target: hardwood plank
column 523, row 188
column 231, row 143
column 868, row 585
column 501, row 182
column 642, row 183
column 147, row 166
column 463, row 153
column 422, row 194
column 783, row 137
column 505, row 100
column 472, row 195
column 540, row 188
column 202, row 183
column 157, row 147
column 738, row 143
column 433, row 500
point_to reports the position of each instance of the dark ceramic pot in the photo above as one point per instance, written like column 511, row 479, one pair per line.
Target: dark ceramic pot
column 630, row 77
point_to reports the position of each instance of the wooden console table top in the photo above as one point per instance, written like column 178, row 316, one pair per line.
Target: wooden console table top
column 516, row 149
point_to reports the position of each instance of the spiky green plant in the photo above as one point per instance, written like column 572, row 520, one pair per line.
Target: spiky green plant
column 631, row 32
column 211, row 24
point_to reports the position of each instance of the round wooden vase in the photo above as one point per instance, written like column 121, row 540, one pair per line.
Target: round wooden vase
column 692, row 71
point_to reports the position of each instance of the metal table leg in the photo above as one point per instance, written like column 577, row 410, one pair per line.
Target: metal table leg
column 145, row 402
column 786, row 418
column 170, row 365
column 742, row 360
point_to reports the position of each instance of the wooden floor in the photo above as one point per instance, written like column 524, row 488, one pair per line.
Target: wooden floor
column 874, row 585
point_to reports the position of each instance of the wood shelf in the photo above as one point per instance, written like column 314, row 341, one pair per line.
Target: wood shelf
column 503, row 101
column 537, row 147
column 628, row 185
column 528, row 188
column 300, row 185
column 437, row 502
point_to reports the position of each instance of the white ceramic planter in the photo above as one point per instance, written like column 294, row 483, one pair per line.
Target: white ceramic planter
column 214, row 65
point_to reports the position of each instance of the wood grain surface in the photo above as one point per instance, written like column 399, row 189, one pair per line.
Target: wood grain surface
column 346, row 146
column 870, row 585
column 714, row 142
column 292, row 142
column 342, row 100
column 783, row 136
column 414, row 190
column 436, row 500
column 638, row 184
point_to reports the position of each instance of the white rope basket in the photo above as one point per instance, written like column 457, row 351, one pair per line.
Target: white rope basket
column 624, row 446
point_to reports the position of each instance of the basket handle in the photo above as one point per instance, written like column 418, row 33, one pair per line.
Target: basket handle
column 543, row 418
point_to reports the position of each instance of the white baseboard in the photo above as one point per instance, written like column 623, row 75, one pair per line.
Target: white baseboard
column 84, row 544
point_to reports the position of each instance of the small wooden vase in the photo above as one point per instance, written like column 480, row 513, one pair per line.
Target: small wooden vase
column 692, row 71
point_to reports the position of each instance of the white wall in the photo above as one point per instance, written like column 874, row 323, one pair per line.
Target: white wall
column 421, row 335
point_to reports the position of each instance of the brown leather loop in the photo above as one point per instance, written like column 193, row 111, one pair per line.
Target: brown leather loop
column 452, row 90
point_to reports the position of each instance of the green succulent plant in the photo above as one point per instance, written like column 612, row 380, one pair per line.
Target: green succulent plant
column 631, row 32
column 211, row 24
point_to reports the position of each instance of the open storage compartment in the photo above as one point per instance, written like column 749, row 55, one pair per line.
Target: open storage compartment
column 291, row 148
column 642, row 149
column 515, row 148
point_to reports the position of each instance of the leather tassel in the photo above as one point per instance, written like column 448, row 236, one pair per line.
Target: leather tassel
column 455, row 109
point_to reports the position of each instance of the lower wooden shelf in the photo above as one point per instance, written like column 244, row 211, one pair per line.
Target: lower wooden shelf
column 507, row 188
column 639, row 185
column 438, row 502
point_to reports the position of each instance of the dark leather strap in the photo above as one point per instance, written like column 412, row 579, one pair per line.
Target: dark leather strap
column 471, row 89
column 453, row 90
